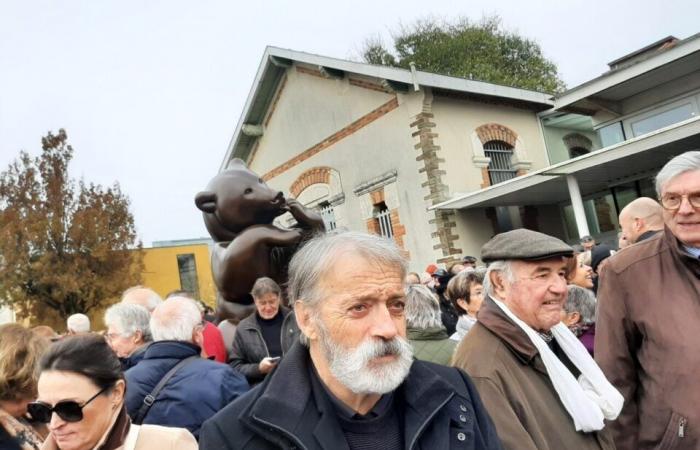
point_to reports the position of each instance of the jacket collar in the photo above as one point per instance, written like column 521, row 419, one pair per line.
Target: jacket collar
column 690, row 261
column 493, row 318
column 171, row 350
column 288, row 390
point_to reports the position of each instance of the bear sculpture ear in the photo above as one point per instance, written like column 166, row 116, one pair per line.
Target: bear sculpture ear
column 206, row 201
column 236, row 163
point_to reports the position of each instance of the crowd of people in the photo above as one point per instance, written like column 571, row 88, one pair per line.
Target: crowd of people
column 543, row 347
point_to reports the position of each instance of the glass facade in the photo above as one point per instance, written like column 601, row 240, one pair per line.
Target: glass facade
column 611, row 134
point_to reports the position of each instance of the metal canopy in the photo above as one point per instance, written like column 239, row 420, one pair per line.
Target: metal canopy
column 594, row 172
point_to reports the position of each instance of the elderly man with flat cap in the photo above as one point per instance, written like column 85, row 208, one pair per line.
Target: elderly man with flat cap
column 538, row 382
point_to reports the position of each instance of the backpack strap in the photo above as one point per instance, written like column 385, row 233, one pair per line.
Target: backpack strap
column 151, row 398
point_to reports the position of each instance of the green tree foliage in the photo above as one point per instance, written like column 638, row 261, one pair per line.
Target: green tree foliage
column 482, row 51
column 65, row 247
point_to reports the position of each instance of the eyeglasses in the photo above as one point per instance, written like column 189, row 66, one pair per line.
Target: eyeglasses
column 68, row 410
column 673, row 201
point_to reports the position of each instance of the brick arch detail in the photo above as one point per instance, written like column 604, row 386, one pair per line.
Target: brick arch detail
column 572, row 140
column 496, row 132
column 314, row 175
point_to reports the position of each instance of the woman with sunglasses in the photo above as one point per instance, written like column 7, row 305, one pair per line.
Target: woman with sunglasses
column 20, row 350
column 81, row 397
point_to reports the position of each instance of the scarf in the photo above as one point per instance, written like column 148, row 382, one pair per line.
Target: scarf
column 589, row 400
column 21, row 431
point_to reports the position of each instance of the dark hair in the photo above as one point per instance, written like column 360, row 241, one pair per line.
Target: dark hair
column 87, row 355
column 459, row 287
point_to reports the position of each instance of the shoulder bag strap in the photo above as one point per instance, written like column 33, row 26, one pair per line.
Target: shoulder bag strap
column 151, row 398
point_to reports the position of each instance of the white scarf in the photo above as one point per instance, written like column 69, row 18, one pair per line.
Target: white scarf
column 590, row 399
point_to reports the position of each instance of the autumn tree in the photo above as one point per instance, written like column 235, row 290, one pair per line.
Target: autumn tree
column 483, row 51
column 65, row 246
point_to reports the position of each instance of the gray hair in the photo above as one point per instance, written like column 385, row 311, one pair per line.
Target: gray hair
column 129, row 319
column 152, row 298
column 503, row 266
column 682, row 163
column 582, row 301
column 175, row 320
column 78, row 323
column 422, row 308
column 313, row 261
column 265, row 286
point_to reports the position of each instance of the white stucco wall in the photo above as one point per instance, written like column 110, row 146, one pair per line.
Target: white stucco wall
column 457, row 120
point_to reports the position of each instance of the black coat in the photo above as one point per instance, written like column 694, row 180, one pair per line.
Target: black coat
column 442, row 411
column 249, row 346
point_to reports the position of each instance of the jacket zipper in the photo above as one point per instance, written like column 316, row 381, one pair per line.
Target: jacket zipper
column 681, row 427
column 427, row 421
column 263, row 341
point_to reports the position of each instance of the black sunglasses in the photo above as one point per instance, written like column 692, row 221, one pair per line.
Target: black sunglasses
column 68, row 410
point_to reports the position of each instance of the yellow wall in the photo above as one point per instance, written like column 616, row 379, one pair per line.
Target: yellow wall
column 161, row 273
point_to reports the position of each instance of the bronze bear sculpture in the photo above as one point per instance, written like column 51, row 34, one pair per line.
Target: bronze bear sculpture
column 238, row 209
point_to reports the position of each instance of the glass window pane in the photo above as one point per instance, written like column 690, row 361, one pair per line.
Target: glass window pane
column 624, row 194
column 647, row 187
column 188, row 273
column 611, row 135
column 663, row 119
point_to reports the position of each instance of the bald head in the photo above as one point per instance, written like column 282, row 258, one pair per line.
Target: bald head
column 143, row 296
column 639, row 216
column 178, row 319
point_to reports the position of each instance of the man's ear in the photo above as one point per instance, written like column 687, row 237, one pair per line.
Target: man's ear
column 496, row 279
column 303, row 314
column 206, row 201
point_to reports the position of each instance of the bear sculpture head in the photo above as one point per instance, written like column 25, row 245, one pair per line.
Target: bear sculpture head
column 236, row 199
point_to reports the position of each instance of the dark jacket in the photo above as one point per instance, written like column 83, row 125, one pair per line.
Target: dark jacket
column 431, row 344
column 513, row 382
column 647, row 343
column 442, row 411
column 135, row 357
column 249, row 346
column 195, row 393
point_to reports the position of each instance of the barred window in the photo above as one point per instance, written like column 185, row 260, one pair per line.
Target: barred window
column 500, row 168
column 328, row 215
column 383, row 216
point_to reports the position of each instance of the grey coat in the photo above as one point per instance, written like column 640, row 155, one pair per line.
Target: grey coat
column 249, row 346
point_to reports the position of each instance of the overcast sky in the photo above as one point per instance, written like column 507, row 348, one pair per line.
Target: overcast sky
column 150, row 91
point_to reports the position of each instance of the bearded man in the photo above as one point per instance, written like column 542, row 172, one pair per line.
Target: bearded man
column 353, row 384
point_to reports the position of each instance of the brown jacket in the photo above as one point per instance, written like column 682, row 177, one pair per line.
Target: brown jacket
column 515, row 388
column 647, row 343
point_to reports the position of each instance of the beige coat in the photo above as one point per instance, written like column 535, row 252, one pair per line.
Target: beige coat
column 647, row 343
column 513, row 383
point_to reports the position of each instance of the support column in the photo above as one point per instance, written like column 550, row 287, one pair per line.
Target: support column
column 577, row 204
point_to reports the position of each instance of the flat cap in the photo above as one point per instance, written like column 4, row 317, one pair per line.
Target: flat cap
column 524, row 244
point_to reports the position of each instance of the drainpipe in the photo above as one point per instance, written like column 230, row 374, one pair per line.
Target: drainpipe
column 577, row 204
column 414, row 76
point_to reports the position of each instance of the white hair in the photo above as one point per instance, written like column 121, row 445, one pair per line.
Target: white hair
column 503, row 266
column 152, row 298
column 682, row 163
column 582, row 301
column 129, row 319
column 422, row 308
column 316, row 257
column 78, row 323
column 175, row 320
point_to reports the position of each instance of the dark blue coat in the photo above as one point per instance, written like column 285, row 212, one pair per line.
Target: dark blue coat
column 194, row 394
column 442, row 411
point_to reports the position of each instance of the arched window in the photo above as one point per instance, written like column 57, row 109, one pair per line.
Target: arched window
column 578, row 151
column 501, row 165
